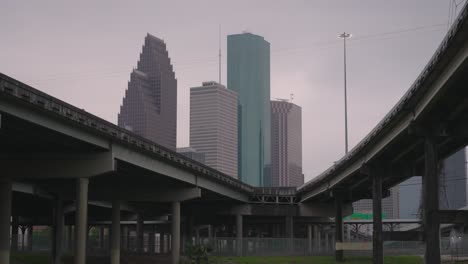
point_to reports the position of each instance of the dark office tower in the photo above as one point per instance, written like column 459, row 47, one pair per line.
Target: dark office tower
column 452, row 181
column 286, row 145
column 248, row 68
column 149, row 107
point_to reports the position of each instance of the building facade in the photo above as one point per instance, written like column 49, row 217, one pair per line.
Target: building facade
column 452, row 187
column 286, row 144
column 390, row 205
column 149, row 107
column 453, row 182
column 213, row 126
column 192, row 153
column 248, row 65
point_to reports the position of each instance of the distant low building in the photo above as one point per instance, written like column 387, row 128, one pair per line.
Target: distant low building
column 192, row 153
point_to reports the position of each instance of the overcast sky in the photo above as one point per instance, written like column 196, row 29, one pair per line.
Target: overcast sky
column 83, row 51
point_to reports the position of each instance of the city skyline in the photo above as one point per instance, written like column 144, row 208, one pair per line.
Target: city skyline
column 111, row 74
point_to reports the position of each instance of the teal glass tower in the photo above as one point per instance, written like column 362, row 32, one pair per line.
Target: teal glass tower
column 248, row 65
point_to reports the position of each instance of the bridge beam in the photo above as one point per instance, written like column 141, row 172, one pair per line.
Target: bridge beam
column 431, row 202
column 377, row 237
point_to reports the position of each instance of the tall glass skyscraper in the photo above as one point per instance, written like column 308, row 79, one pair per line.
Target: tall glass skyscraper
column 248, row 68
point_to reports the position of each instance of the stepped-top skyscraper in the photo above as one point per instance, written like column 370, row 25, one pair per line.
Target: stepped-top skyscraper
column 149, row 107
column 248, row 68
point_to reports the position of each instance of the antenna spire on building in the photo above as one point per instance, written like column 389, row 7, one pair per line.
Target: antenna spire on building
column 219, row 54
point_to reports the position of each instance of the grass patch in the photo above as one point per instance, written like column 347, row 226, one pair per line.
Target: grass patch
column 315, row 260
column 30, row 258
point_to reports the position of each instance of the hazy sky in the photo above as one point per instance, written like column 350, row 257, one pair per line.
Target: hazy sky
column 83, row 51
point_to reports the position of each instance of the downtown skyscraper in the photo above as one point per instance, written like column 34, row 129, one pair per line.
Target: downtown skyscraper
column 149, row 107
column 286, row 145
column 248, row 74
column 213, row 126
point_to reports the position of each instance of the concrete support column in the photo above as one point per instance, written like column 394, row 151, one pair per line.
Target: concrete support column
column 127, row 234
column 57, row 249
column 69, row 237
column 377, row 237
column 81, row 217
column 338, row 228
column 239, row 234
column 317, row 238
column 431, row 202
column 289, row 231
column 14, row 233
column 101, row 237
column 23, row 235
column 139, row 233
column 115, row 233
column 175, row 232
column 5, row 214
column 151, row 240
column 309, row 239
column 30, row 237
column 161, row 242
column 327, row 243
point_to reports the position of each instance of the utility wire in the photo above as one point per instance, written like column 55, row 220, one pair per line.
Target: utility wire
column 195, row 63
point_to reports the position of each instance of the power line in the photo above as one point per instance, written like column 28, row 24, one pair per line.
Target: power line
column 195, row 62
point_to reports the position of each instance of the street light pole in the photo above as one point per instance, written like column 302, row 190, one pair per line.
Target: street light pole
column 344, row 36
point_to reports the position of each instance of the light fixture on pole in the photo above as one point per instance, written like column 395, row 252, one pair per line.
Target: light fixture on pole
column 345, row 36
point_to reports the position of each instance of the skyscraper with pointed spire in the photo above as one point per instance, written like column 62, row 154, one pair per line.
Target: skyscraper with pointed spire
column 149, row 107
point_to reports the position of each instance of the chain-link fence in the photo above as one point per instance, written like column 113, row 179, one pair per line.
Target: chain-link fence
column 451, row 247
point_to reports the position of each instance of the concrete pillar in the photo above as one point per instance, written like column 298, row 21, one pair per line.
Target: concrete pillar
column 14, row 233
column 175, row 232
column 377, row 237
column 81, row 217
column 289, row 231
column 69, row 237
column 30, row 237
column 151, row 239
column 139, row 233
column 327, row 243
column 239, row 234
column 317, row 238
column 431, row 221
column 309, row 239
column 101, row 237
column 23, row 235
column 5, row 214
column 57, row 242
column 338, row 229
column 127, row 234
column 161, row 242
column 115, row 233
